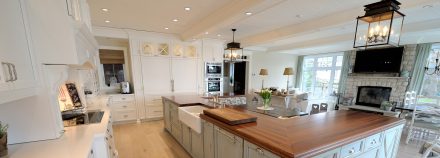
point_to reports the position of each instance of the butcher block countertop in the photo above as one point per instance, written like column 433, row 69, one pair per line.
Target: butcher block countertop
column 304, row 136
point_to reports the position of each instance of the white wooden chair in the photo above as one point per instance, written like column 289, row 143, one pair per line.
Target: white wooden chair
column 431, row 149
column 425, row 119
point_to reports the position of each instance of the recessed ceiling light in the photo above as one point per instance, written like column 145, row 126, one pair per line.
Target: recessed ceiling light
column 104, row 9
column 187, row 8
column 107, row 21
column 206, row 33
column 248, row 13
column 175, row 20
column 166, row 28
column 219, row 35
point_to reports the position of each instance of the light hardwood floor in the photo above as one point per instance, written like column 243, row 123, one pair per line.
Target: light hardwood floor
column 149, row 140
column 146, row 140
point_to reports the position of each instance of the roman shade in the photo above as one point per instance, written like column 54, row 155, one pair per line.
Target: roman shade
column 108, row 56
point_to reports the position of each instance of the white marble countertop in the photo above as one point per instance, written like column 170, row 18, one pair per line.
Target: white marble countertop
column 76, row 142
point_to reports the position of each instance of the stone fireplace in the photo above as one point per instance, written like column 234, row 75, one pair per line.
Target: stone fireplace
column 397, row 84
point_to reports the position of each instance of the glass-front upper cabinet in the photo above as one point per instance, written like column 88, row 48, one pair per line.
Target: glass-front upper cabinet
column 191, row 51
column 163, row 49
column 147, row 49
column 178, row 50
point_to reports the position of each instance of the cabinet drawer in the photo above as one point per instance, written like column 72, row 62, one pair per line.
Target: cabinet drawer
column 330, row 154
column 154, row 103
column 373, row 141
column 351, row 149
column 124, row 115
column 122, row 98
column 155, row 111
column 123, row 106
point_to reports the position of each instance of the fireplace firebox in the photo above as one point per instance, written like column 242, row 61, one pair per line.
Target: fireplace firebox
column 372, row 96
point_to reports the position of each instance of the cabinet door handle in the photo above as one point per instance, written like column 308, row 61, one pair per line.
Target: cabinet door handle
column 172, row 85
column 10, row 78
column 351, row 151
column 15, row 72
column 260, row 151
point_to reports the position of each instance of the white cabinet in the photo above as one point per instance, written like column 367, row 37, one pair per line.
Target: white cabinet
column 103, row 145
column 123, row 107
column 17, row 74
column 213, row 50
column 184, row 75
column 61, row 31
column 156, row 75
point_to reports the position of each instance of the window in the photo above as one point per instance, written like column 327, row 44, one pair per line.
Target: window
column 113, row 74
column 321, row 74
column 431, row 83
column 112, row 68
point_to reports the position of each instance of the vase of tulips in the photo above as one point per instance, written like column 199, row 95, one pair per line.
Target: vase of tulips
column 266, row 94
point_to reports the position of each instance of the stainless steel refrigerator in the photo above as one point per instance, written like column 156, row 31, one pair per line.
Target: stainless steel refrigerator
column 235, row 77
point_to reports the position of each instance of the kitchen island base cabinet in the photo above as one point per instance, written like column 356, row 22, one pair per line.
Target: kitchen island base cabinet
column 208, row 140
column 379, row 145
column 252, row 151
column 196, row 144
column 227, row 145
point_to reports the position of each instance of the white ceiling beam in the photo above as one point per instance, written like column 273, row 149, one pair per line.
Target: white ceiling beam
column 313, row 25
column 349, row 37
column 226, row 16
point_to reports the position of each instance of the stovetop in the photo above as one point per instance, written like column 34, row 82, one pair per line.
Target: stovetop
column 75, row 119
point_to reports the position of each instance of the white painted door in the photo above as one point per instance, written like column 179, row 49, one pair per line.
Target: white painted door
column 15, row 45
column 184, row 72
column 156, row 75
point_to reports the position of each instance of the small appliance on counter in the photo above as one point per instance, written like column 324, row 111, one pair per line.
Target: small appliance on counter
column 125, row 87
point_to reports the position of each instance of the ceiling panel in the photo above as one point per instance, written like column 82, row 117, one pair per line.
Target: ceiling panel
column 152, row 15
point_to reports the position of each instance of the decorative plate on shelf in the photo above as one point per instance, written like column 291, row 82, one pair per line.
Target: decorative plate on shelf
column 147, row 48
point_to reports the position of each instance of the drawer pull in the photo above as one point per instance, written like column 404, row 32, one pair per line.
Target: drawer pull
column 157, row 111
column 106, row 138
column 261, row 152
column 351, row 151
column 124, row 106
column 110, row 147
column 123, row 98
column 125, row 116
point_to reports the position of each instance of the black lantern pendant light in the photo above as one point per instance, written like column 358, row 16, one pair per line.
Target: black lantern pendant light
column 233, row 51
column 381, row 25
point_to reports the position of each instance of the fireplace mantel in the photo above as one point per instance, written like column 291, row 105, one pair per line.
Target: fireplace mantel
column 371, row 109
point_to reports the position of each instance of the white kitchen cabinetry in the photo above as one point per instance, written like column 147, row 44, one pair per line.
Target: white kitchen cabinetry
column 156, row 75
column 184, row 75
column 61, row 31
column 103, row 145
column 162, row 68
column 123, row 107
column 17, row 73
column 213, row 50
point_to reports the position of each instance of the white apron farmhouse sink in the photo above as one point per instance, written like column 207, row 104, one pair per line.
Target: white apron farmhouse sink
column 189, row 115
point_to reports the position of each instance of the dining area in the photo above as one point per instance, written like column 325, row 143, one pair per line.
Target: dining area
column 422, row 115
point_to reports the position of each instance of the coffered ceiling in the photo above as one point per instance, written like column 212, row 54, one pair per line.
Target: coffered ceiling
column 288, row 26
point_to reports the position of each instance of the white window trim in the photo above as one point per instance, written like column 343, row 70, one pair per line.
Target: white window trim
column 315, row 68
column 101, row 70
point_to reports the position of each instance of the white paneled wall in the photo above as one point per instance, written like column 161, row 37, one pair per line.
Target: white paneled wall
column 275, row 64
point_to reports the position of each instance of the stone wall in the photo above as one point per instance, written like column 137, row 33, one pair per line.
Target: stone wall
column 398, row 84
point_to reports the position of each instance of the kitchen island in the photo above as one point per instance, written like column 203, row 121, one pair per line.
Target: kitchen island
column 336, row 134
